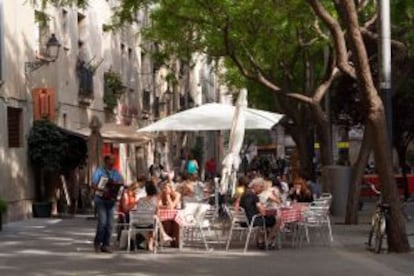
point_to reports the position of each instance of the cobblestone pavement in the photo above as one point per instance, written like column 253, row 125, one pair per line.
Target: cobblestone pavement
column 64, row 247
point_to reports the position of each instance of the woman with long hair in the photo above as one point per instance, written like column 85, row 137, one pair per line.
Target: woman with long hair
column 300, row 191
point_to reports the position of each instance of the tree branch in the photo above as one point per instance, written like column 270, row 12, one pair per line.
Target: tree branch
column 361, row 4
column 338, row 37
column 399, row 46
column 257, row 75
column 371, row 22
column 319, row 31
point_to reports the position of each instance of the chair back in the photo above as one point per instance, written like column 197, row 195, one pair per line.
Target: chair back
column 316, row 214
column 201, row 211
column 324, row 200
column 237, row 215
column 139, row 218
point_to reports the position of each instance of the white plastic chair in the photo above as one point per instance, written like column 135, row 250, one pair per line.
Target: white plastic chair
column 142, row 221
column 240, row 222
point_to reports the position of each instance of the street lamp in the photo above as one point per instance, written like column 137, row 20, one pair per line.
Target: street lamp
column 51, row 55
column 384, row 49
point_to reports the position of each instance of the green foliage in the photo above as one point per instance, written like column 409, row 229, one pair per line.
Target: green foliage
column 76, row 153
column 47, row 146
column 42, row 18
column 403, row 115
column 402, row 16
column 113, row 89
column 3, row 206
column 50, row 150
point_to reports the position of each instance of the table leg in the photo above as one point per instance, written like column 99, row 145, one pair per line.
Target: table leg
column 180, row 240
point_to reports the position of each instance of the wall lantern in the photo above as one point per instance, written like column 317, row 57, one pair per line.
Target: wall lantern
column 51, row 55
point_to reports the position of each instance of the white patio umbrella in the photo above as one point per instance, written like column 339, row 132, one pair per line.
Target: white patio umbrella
column 114, row 133
column 213, row 116
column 231, row 161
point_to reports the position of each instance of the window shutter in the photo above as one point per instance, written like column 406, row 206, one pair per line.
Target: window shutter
column 14, row 126
column 43, row 103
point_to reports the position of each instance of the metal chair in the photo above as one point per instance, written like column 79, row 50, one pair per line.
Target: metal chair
column 143, row 221
column 316, row 217
column 240, row 222
column 195, row 224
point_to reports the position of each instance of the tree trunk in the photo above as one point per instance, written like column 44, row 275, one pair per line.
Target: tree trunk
column 396, row 232
column 351, row 216
column 303, row 137
column 325, row 139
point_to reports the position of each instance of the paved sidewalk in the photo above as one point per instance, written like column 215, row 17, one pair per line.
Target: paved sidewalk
column 64, row 247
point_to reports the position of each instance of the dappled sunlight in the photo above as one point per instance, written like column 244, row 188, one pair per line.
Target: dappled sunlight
column 36, row 252
column 65, row 247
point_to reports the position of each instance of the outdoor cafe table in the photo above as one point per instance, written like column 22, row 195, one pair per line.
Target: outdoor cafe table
column 171, row 214
column 291, row 214
column 287, row 215
column 175, row 215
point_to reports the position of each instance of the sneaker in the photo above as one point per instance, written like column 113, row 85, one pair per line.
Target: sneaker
column 97, row 248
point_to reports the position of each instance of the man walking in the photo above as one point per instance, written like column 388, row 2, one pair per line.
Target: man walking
column 106, row 182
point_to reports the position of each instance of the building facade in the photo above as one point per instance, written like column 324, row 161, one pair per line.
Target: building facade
column 74, row 87
column 74, row 84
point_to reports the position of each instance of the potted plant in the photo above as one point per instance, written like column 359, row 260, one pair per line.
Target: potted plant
column 113, row 89
column 3, row 210
column 47, row 146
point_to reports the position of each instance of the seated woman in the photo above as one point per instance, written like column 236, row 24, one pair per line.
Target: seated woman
column 300, row 191
column 150, row 204
column 242, row 186
column 270, row 196
column 187, row 186
column 169, row 198
column 127, row 203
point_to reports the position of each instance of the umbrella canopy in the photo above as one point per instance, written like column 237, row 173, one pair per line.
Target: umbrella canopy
column 231, row 161
column 113, row 133
column 213, row 116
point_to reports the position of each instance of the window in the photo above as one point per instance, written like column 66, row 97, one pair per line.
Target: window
column 14, row 127
column 146, row 101
column 157, row 107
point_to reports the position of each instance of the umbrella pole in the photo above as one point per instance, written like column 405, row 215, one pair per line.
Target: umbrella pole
column 216, row 194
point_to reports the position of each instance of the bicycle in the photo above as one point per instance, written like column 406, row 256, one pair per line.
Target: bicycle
column 378, row 227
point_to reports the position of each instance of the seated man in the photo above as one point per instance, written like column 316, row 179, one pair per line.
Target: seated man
column 251, row 204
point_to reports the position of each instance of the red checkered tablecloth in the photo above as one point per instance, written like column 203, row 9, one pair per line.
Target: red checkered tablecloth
column 289, row 214
column 171, row 214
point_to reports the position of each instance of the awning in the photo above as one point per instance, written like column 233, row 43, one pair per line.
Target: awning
column 114, row 133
